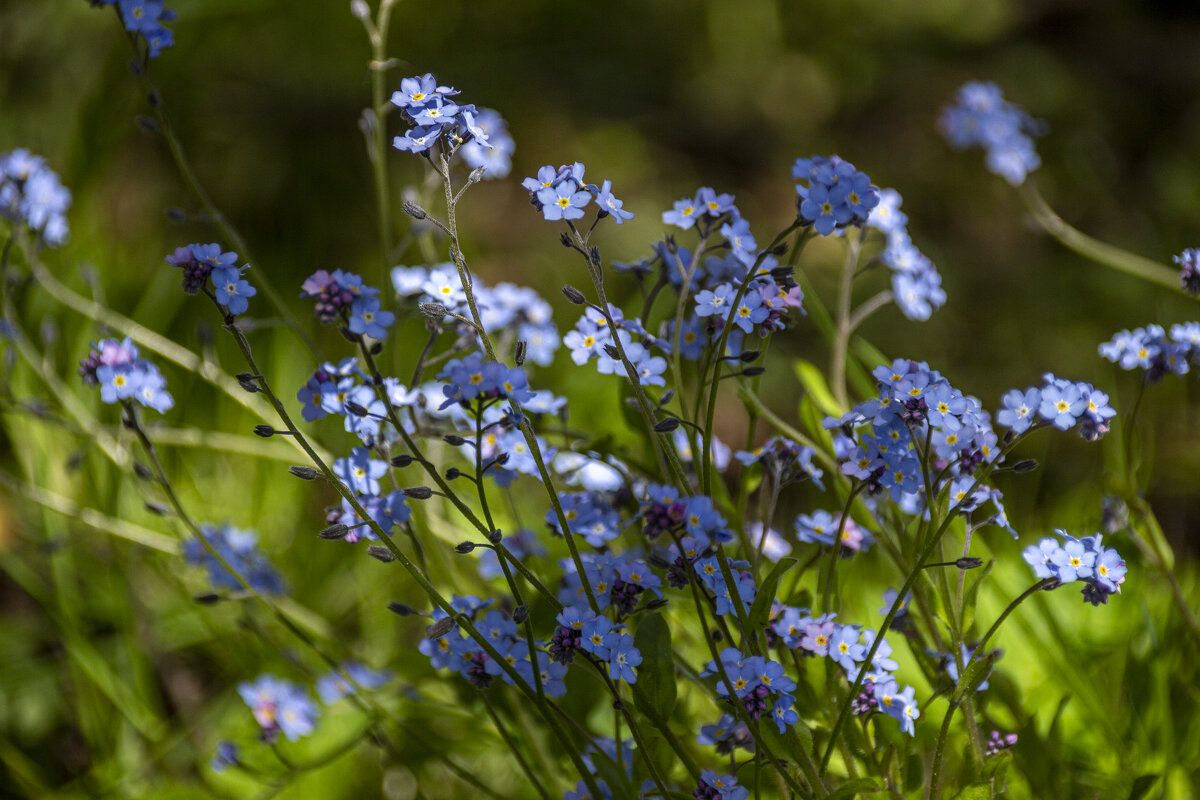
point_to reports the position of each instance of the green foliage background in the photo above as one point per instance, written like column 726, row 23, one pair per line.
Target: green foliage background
column 113, row 683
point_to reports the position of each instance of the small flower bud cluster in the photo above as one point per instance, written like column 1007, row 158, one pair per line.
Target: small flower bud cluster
column 503, row 307
column 1155, row 352
column 980, row 117
column 759, row 684
column 361, row 473
column 1100, row 568
column 1062, row 403
column 1189, row 270
column 834, row 194
column 240, row 550
column 342, row 297
column 31, row 195
column 479, row 135
column 204, row 262
column 998, row 742
column 145, row 18
column 916, row 284
column 562, row 194
column 719, row 787
column 114, row 366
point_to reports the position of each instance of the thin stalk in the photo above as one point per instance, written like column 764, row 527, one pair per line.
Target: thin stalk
column 1094, row 249
column 512, row 745
column 931, row 543
column 147, row 338
column 961, row 687
column 841, row 342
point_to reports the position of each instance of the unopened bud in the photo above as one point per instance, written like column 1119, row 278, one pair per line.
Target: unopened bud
column 336, row 531
column 666, row 425
column 565, row 239
column 748, row 355
column 356, row 409
column 521, row 350
column 433, row 310
column 454, row 440
column 248, row 381
column 969, row 562
column 574, row 295
column 594, row 256
column 418, row 492
column 156, row 508
column 304, row 473
column 751, row 372
column 495, row 537
column 360, row 9
column 462, row 548
column 207, row 599
column 520, row 613
column 1028, row 465
column 147, row 124
column 402, row 460
column 611, row 351
column 401, row 609
column 380, row 552
column 265, row 431
column 440, row 628
column 142, row 471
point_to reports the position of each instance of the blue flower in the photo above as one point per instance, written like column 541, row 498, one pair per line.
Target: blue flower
column 226, row 756
column 367, row 320
column 1020, row 409
column 622, row 657
column 496, row 156
column 683, row 214
column 30, row 192
column 980, row 117
column 741, row 241
column 564, row 201
column 718, row 301
column 719, row 787
column 595, row 637
column 231, row 290
column 418, row 140
column 836, row 196
column 333, row 687
column 415, row 92
column 360, row 472
column 1189, row 270
column 1062, row 405
column 713, row 204
column 280, row 706
column 845, row 649
column 750, row 312
column 611, row 205
column 437, row 111
column 240, row 550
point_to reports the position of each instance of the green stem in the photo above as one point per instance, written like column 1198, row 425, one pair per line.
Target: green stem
column 961, row 688
column 1094, row 249
column 512, row 745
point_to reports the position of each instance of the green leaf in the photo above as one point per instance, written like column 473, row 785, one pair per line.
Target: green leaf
column 854, row 788
column 996, row 769
column 1141, row 786
column 972, row 595
column 814, row 383
column 656, row 674
column 976, row 791
column 760, row 610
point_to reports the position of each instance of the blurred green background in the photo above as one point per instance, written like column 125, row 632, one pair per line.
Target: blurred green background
column 660, row 97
